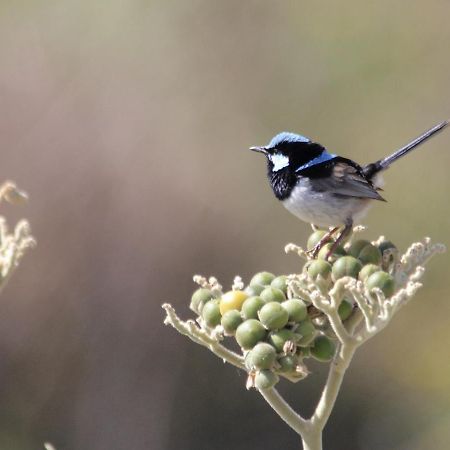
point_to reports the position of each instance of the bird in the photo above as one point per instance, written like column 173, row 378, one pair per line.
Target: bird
column 324, row 189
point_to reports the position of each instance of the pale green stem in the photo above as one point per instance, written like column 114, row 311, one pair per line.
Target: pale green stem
column 282, row 408
column 200, row 336
column 311, row 430
column 313, row 441
column 336, row 374
column 352, row 322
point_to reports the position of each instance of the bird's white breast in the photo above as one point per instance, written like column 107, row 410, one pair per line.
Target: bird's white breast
column 323, row 208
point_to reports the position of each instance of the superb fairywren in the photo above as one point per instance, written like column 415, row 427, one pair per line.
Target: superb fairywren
column 325, row 189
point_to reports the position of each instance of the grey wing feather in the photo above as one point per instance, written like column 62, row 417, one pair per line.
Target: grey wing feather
column 348, row 181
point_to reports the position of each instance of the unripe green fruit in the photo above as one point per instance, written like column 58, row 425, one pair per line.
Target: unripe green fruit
column 365, row 252
column 315, row 238
column 323, row 348
column 265, row 379
column 368, row 270
column 307, row 331
column 199, row 298
column 279, row 338
column 211, row 313
column 346, row 266
column 389, row 252
column 296, row 309
column 230, row 321
column 262, row 356
column 262, row 278
column 288, row 363
column 319, row 267
column 321, row 322
column 232, row 300
column 248, row 362
column 270, row 294
column 338, row 252
column 254, row 290
column 273, row 316
column 249, row 333
column 386, row 245
column 383, row 281
column 345, row 309
column 251, row 306
column 280, row 283
column 304, row 352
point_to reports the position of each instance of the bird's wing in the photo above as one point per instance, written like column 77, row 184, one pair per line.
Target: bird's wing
column 346, row 179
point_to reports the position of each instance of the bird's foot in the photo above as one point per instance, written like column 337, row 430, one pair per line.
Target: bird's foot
column 312, row 253
column 342, row 235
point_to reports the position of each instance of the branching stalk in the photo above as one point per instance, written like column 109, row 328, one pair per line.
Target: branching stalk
column 373, row 309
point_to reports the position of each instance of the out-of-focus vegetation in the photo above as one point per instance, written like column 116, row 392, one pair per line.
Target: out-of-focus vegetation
column 129, row 124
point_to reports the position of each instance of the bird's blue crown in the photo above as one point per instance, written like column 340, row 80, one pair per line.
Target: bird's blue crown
column 287, row 137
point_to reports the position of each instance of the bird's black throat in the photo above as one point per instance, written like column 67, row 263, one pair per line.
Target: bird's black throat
column 299, row 153
column 282, row 181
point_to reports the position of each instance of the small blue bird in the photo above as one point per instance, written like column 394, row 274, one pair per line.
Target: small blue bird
column 325, row 189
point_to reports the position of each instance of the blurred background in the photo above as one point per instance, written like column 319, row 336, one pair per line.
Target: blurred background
column 128, row 123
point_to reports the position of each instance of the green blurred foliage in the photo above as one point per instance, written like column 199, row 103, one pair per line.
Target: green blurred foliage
column 128, row 123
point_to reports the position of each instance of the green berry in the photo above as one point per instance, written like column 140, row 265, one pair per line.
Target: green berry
column 265, row 379
column 365, row 252
column 230, row 321
column 279, row 338
column 319, row 267
column 251, row 306
column 346, row 266
column 211, row 313
column 270, row 294
column 254, row 290
column 383, row 281
column 323, row 348
column 273, row 316
column 249, row 333
column 338, row 252
column 262, row 278
column 280, row 283
column 296, row 309
column 288, row 363
column 304, row 352
column 199, row 298
column 389, row 252
column 262, row 356
column 307, row 331
column 315, row 238
column 387, row 245
column 232, row 300
column 345, row 309
column 368, row 270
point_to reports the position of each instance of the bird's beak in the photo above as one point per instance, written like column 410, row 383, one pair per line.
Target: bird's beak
column 259, row 150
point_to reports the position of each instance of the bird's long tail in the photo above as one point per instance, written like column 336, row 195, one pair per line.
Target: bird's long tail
column 382, row 164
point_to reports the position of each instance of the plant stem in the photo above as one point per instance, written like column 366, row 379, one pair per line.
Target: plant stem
column 281, row 407
column 330, row 392
column 200, row 336
column 313, row 441
column 311, row 430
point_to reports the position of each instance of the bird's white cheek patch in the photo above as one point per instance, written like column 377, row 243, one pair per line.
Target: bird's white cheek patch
column 279, row 162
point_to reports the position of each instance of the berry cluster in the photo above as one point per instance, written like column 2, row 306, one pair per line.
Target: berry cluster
column 276, row 326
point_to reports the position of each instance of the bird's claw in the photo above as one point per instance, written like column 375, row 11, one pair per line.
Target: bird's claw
column 312, row 253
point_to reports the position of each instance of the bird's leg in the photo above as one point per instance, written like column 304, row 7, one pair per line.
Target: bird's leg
column 315, row 250
column 344, row 233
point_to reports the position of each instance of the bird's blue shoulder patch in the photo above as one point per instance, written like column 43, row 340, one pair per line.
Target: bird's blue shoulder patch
column 323, row 157
column 285, row 136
